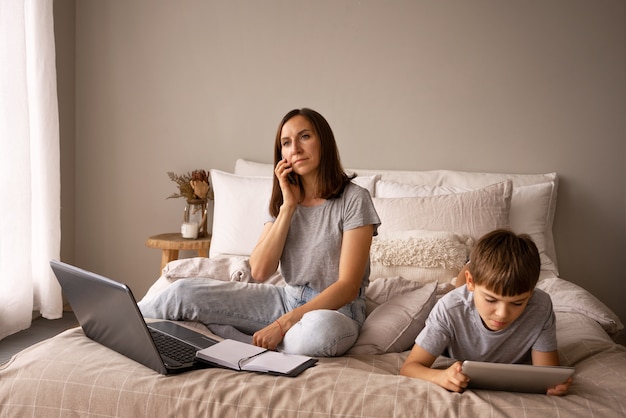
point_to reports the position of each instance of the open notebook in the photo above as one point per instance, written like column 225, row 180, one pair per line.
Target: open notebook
column 247, row 357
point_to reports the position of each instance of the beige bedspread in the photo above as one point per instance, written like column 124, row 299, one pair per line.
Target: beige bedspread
column 70, row 375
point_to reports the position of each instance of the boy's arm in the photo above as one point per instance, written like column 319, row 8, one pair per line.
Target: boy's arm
column 551, row 358
column 545, row 358
column 418, row 365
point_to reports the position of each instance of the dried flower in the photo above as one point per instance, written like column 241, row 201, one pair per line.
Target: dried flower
column 191, row 186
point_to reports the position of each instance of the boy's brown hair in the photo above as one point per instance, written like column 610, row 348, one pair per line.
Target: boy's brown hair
column 505, row 263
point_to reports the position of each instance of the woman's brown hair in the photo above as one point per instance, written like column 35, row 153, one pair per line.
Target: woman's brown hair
column 505, row 263
column 332, row 179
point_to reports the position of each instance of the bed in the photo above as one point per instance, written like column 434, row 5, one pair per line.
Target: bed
column 430, row 220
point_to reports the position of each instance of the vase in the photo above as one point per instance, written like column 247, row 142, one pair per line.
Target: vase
column 195, row 212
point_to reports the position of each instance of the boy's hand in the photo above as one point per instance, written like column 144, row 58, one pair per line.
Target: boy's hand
column 560, row 390
column 452, row 378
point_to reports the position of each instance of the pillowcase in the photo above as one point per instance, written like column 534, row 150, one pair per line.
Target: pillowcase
column 386, row 188
column 531, row 211
column 253, row 168
column 393, row 326
column 446, row 180
column 569, row 297
column 472, row 213
column 418, row 255
column 381, row 290
column 241, row 206
column 530, row 214
column 367, row 182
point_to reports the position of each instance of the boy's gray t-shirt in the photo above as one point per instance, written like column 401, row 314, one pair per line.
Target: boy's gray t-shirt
column 313, row 245
column 454, row 328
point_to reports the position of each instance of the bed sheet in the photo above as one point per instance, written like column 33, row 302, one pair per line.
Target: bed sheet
column 70, row 375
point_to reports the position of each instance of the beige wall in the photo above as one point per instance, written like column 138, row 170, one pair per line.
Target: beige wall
column 482, row 85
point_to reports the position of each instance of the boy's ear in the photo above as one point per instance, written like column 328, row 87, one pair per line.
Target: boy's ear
column 469, row 281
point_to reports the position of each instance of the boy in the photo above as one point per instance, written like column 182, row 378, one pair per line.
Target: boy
column 497, row 316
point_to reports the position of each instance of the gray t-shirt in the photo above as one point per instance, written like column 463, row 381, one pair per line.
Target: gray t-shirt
column 454, row 328
column 313, row 246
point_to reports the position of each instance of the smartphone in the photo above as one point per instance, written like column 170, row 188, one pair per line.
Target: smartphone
column 291, row 178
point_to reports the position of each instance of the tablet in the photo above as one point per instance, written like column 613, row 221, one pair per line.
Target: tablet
column 514, row 377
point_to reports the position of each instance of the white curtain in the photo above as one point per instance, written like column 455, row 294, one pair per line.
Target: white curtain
column 30, row 232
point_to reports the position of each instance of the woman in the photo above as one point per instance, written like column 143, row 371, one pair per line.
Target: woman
column 319, row 233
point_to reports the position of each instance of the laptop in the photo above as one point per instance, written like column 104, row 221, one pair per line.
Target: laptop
column 108, row 313
column 515, row 377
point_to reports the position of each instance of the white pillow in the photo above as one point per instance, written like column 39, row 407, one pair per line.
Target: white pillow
column 472, row 213
column 422, row 256
column 367, row 182
column 252, row 168
column 386, row 188
column 241, row 206
column 530, row 214
column 531, row 210
column 474, row 180
column 393, row 326
column 440, row 181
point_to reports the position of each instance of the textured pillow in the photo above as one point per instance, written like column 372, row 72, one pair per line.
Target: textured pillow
column 530, row 213
column 241, row 206
column 472, row 213
column 418, row 255
column 393, row 326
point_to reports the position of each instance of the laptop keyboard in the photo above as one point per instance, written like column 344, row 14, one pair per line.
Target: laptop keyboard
column 171, row 347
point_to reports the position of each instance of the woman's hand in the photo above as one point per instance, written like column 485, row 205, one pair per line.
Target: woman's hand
column 288, row 183
column 269, row 337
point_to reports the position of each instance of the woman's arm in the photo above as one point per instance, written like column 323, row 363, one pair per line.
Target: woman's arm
column 353, row 260
column 268, row 250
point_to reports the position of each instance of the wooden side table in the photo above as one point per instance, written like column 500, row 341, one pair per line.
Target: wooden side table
column 173, row 242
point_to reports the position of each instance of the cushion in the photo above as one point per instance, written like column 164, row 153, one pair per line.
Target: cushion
column 382, row 290
column 393, row 326
column 474, row 180
column 569, row 297
column 530, row 214
column 418, row 255
column 253, row 168
column 385, row 188
column 367, row 182
column 241, row 206
column 530, row 211
column 472, row 213
column 449, row 180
